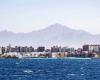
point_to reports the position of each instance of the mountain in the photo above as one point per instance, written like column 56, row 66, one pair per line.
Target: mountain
column 56, row 34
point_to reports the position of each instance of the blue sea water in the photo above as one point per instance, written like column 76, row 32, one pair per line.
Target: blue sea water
column 49, row 69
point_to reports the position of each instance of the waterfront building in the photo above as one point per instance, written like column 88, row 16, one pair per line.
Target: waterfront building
column 71, row 50
column 0, row 50
column 64, row 49
column 30, row 49
column 41, row 49
column 91, row 48
column 55, row 49
column 79, row 51
column 58, row 55
column 47, row 50
column 17, row 49
column 8, row 49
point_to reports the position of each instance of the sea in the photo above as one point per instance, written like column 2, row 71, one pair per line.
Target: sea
column 50, row 69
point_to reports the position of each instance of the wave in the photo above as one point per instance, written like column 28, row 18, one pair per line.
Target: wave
column 28, row 71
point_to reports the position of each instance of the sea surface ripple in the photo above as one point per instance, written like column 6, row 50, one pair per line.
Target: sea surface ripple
column 49, row 69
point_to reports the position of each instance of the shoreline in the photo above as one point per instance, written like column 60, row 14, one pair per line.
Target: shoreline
column 56, row 58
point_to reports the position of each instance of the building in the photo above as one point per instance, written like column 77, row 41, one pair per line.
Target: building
column 78, row 51
column 0, row 50
column 58, row 55
column 71, row 50
column 91, row 48
column 64, row 49
column 55, row 49
column 41, row 49
column 30, row 49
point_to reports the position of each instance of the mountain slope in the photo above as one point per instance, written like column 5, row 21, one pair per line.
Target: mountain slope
column 55, row 34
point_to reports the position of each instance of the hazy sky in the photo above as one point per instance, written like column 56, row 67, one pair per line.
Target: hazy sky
column 29, row 15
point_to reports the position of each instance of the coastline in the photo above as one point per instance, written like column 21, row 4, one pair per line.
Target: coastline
column 51, row 58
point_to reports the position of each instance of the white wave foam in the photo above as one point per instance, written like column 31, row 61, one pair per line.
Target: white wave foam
column 28, row 71
column 76, row 58
column 71, row 74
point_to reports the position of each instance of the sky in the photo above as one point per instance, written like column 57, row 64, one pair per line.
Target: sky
column 29, row 15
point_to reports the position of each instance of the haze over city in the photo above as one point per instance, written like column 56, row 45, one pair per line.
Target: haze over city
column 30, row 15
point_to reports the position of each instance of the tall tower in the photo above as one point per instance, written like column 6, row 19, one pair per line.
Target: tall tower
column 9, row 47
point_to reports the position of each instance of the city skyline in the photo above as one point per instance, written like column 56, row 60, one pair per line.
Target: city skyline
column 30, row 15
